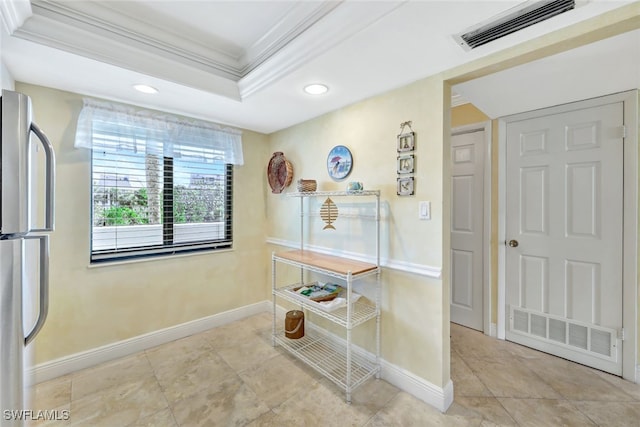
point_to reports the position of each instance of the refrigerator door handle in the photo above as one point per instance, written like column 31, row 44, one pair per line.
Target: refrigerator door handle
column 44, row 287
column 50, row 179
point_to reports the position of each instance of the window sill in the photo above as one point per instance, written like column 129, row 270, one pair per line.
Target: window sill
column 157, row 258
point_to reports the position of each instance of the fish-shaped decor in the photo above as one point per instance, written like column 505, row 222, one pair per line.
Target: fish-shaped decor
column 329, row 213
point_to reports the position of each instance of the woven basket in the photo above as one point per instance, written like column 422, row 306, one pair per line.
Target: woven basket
column 307, row 185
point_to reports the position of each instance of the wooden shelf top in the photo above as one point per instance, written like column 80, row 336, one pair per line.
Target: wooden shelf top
column 327, row 262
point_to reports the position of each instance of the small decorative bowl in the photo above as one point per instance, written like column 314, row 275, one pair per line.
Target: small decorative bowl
column 355, row 186
column 307, row 185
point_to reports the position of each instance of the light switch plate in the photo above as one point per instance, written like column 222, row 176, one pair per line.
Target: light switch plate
column 424, row 210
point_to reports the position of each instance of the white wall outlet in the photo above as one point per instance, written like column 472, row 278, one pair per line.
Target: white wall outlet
column 424, row 210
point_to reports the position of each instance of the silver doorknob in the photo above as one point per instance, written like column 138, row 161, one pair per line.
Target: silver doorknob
column 513, row 243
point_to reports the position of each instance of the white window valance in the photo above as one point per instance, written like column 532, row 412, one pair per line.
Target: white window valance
column 110, row 126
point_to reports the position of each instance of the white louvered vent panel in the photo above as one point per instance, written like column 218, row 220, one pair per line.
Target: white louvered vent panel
column 558, row 330
column 539, row 325
column 524, row 15
column 601, row 342
column 577, row 336
column 520, row 321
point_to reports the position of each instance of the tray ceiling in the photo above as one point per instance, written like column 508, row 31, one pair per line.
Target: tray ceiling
column 244, row 63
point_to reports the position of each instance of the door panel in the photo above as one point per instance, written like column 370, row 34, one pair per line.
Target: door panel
column 564, row 208
column 467, row 157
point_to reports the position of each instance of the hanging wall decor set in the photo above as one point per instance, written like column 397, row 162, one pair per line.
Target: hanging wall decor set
column 406, row 145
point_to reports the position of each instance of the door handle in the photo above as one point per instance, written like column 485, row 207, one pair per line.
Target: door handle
column 50, row 182
column 513, row 243
column 44, row 287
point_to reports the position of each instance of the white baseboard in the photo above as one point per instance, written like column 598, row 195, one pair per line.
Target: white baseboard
column 75, row 362
column 493, row 330
column 438, row 397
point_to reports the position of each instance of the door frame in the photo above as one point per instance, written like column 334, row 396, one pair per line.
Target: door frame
column 630, row 220
column 486, row 228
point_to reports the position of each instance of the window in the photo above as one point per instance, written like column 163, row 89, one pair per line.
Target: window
column 156, row 188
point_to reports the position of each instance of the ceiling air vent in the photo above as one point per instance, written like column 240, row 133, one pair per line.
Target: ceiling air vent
column 511, row 21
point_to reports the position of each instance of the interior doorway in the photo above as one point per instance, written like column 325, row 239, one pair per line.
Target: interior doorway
column 470, row 218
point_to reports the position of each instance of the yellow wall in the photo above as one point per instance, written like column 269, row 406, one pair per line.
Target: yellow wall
column 414, row 335
column 91, row 307
column 466, row 114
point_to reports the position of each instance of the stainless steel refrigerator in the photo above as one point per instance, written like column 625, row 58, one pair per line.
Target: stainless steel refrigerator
column 18, row 200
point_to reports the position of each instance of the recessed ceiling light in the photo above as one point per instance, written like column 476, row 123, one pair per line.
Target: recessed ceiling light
column 316, row 89
column 145, row 88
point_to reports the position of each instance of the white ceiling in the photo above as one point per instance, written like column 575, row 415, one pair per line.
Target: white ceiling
column 608, row 66
column 244, row 63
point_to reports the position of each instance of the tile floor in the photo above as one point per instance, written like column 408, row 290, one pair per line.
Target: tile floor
column 232, row 376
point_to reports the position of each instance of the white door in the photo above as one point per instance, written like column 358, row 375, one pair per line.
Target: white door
column 467, row 198
column 564, row 234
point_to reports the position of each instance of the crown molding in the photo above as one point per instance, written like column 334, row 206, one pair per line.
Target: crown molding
column 313, row 42
column 101, row 32
column 91, row 45
column 457, row 100
column 14, row 14
column 299, row 19
column 105, row 32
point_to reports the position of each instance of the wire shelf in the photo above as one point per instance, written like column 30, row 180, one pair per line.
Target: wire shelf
column 327, row 264
column 360, row 311
column 329, row 357
column 333, row 357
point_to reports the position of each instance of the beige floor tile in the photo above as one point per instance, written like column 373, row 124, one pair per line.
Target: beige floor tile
column 406, row 410
column 232, row 376
column 487, row 408
column 618, row 414
column 471, row 343
column 50, row 394
column 119, row 405
column 130, row 369
column 631, row 389
column 510, row 379
column 231, row 403
column 319, row 404
column 259, row 322
column 465, row 382
column 265, row 420
column 248, row 354
column 574, row 381
column 193, row 375
column 276, row 380
column 163, row 418
column 374, row 394
column 544, row 412
column 368, row 398
column 182, row 351
column 229, row 335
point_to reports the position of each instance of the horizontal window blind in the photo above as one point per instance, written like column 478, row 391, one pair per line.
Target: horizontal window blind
column 148, row 202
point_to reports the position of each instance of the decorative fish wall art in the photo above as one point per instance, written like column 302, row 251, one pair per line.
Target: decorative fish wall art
column 329, row 213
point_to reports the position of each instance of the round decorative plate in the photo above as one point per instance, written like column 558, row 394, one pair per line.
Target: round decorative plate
column 339, row 162
column 279, row 172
